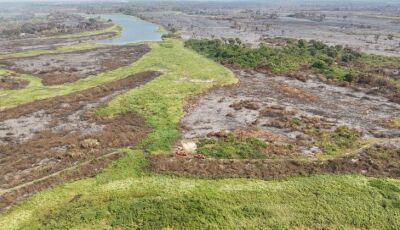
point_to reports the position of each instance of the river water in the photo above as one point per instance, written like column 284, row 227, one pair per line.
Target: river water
column 133, row 29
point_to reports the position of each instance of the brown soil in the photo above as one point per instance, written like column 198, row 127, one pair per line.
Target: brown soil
column 9, row 82
column 47, row 136
column 381, row 159
column 18, row 194
column 62, row 68
column 18, row 45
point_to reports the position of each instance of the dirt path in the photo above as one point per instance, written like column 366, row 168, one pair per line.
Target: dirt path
column 4, row 191
column 12, row 196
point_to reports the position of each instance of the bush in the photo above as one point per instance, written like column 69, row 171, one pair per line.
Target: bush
column 232, row 147
column 350, row 55
column 341, row 139
column 319, row 64
column 348, row 77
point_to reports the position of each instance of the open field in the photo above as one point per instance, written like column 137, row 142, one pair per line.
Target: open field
column 89, row 200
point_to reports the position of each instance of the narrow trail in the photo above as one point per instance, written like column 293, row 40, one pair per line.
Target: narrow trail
column 5, row 191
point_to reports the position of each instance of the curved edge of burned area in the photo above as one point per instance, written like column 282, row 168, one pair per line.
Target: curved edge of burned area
column 123, row 130
column 380, row 159
column 87, row 95
column 54, row 69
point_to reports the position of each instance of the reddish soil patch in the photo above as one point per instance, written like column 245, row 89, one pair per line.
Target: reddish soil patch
column 377, row 160
column 9, row 82
column 62, row 68
column 67, row 133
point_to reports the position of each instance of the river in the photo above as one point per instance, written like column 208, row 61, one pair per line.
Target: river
column 133, row 29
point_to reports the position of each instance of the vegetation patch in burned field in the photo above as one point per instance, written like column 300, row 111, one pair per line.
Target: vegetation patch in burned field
column 339, row 141
column 396, row 121
column 233, row 147
column 57, row 69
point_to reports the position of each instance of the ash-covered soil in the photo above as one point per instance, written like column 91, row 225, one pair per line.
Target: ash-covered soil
column 283, row 110
column 62, row 68
column 47, row 136
column 8, row 46
column 369, row 32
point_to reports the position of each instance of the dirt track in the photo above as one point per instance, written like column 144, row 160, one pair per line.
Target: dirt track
column 62, row 68
column 47, row 136
column 382, row 159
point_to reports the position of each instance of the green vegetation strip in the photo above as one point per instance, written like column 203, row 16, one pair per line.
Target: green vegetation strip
column 155, row 60
column 61, row 49
column 126, row 197
column 396, row 121
column 116, row 29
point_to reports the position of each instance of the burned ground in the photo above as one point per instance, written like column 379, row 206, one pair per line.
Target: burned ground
column 62, row 68
column 26, row 44
column 290, row 111
column 363, row 30
column 53, row 24
column 10, row 82
column 47, row 136
column 298, row 119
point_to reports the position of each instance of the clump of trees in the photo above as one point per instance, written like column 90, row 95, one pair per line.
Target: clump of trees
column 339, row 63
column 233, row 51
column 279, row 59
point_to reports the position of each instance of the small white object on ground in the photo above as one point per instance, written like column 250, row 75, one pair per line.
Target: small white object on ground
column 189, row 146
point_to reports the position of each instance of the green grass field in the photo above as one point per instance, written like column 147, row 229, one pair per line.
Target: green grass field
column 126, row 197
column 112, row 29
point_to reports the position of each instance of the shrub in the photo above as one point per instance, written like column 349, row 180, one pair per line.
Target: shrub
column 319, row 64
column 232, row 147
column 350, row 55
column 341, row 139
column 348, row 77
